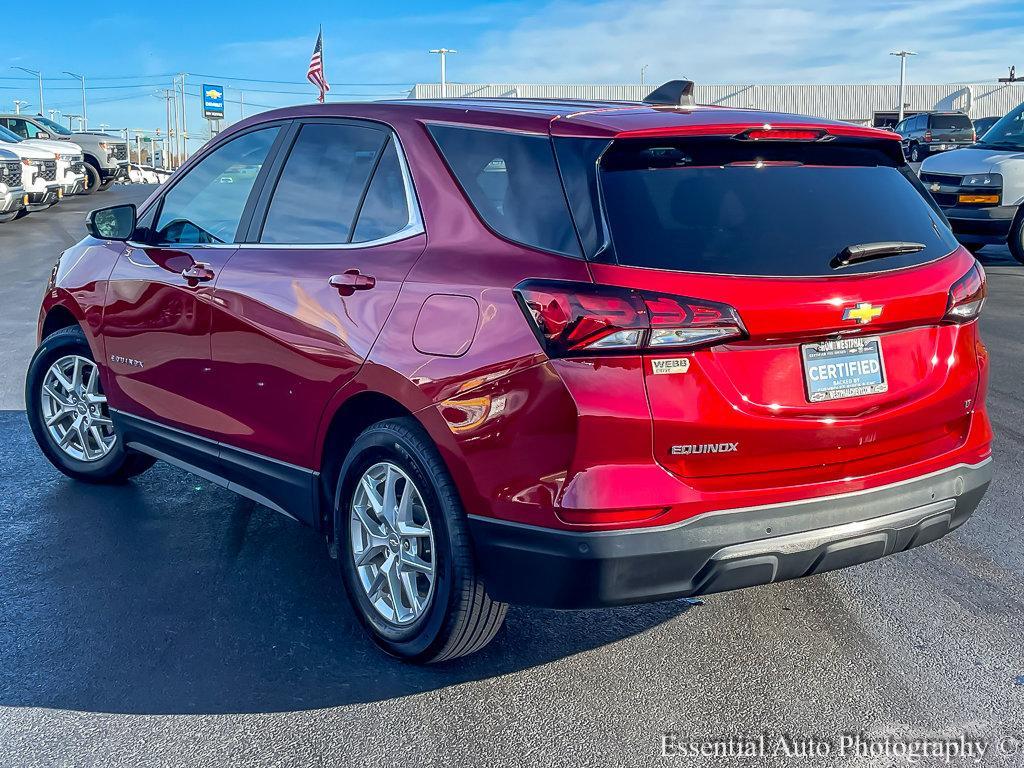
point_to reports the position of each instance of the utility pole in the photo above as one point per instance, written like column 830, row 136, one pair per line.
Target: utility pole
column 241, row 105
column 85, row 110
column 643, row 72
column 444, row 82
column 184, row 122
column 38, row 74
column 903, row 74
column 18, row 104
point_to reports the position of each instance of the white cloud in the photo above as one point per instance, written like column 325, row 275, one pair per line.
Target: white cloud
column 745, row 41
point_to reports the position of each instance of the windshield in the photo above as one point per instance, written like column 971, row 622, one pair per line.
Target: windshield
column 739, row 208
column 1008, row 132
column 54, row 127
column 9, row 136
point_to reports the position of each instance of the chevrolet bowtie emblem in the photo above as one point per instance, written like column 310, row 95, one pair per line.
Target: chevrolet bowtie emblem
column 863, row 313
column 935, row 187
column 213, row 94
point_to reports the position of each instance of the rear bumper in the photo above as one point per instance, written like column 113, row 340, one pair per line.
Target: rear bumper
column 981, row 225
column 721, row 551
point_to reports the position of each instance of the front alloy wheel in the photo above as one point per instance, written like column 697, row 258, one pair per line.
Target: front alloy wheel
column 392, row 544
column 75, row 411
column 68, row 412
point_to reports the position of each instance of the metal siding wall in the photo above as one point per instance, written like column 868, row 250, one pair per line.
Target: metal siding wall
column 839, row 102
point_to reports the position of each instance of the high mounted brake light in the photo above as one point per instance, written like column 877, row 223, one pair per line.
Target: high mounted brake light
column 781, row 134
column 587, row 319
column 967, row 296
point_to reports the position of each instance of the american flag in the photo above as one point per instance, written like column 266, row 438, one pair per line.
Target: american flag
column 315, row 75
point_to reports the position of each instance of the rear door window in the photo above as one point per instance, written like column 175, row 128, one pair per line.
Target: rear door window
column 322, row 184
column 786, row 209
column 512, row 181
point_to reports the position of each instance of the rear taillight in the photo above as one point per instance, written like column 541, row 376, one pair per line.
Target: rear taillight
column 927, row 135
column 966, row 297
column 585, row 319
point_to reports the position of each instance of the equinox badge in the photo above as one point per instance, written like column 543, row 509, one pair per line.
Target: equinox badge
column 699, row 448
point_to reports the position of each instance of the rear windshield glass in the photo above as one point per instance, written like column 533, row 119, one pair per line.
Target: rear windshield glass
column 949, row 121
column 513, row 183
column 730, row 207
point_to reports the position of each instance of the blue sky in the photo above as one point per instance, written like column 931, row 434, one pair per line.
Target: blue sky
column 379, row 50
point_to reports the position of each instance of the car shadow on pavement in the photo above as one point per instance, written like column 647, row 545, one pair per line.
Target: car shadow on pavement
column 167, row 595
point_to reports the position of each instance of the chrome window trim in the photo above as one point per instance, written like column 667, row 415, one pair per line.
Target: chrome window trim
column 414, row 226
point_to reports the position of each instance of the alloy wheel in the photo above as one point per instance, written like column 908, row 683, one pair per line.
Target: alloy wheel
column 74, row 409
column 391, row 544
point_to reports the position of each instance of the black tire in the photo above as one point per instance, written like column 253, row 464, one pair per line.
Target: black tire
column 92, row 179
column 1016, row 237
column 105, row 185
column 120, row 463
column 916, row 153
column 21, row 214
column 460, row 617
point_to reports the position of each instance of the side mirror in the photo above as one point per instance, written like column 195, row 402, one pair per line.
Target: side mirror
column 42, row 135
column 114, row 223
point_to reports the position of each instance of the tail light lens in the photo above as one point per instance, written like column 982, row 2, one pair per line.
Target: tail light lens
column 586, row 319
column 966, row 297
column 927, row 135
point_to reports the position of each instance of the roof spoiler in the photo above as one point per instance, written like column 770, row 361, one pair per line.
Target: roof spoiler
column 674, row 93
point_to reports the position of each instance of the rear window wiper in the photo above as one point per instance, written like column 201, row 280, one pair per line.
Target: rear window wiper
column 852, row 254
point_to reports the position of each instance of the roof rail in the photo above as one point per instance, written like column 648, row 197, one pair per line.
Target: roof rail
column 674, row 93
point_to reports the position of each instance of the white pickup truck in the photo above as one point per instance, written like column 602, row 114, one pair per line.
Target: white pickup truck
column 70, row 161
column 12, row 194
column 981, row 188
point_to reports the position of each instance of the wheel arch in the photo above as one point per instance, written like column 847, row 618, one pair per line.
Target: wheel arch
column 57, row 317
column 376, row 395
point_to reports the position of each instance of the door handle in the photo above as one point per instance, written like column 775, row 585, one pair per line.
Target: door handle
column 350, row 281
column 199, row 272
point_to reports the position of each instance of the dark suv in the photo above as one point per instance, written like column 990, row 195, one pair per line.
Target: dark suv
column 930, row 132
column 568, row 354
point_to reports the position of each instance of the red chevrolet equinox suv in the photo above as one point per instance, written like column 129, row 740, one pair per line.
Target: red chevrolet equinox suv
column 560, row 353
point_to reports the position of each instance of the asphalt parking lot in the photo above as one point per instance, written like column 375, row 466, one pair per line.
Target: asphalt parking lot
column 169, row 622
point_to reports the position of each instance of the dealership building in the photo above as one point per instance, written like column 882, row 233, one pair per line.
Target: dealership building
column 864, row 104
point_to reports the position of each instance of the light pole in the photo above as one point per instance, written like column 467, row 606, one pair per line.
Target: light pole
column 85, row 110
column 443, row 52
column 643, row 71
column 903, row 73
column 38, row 74
column 18, row 104
column 71, row 119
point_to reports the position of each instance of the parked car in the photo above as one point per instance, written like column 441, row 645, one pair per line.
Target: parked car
column 929, row 132
column 645, row 352
column 12, row 194
column 982, row 124
column 981, row 189
column 70, row 165
column 106, row 157
column 38, row 177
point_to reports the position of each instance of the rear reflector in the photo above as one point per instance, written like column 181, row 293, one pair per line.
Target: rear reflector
column 966, row 297
column 584, row 319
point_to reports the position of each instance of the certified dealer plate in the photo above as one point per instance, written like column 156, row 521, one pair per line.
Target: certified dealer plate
column 843, row 368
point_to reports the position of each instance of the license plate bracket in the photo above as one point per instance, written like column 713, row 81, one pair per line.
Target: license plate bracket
column 840, row 368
